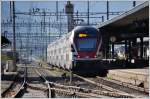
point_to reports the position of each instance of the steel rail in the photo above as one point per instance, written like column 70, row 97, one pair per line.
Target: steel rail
column 110, row 91
column 49, row 92
column 124, row 85
column 11, row 93
column 75, row 90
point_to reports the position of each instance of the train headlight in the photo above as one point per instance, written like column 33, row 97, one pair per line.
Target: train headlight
column 113, row 39
column 132, row 61
column 82, row 35
column 78, row 56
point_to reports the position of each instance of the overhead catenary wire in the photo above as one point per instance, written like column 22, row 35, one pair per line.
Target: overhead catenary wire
column 48, row 27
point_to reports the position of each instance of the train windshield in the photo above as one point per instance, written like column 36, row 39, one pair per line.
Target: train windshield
column 86, row 44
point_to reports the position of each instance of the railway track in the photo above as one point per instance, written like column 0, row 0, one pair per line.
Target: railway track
column 39, row 81
column 17, row 87
column 36, row 88
column 116, row 86
column 129, row 88
column 23, row 85
column 113, row 88
column 77, row 91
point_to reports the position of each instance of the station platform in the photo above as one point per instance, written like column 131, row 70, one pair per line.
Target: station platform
column 138, row 77
column 7, row 80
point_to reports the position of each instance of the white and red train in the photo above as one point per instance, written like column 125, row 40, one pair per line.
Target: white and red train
column 79, row 50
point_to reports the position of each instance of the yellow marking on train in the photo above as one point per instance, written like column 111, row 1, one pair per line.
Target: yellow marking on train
column 83, row 35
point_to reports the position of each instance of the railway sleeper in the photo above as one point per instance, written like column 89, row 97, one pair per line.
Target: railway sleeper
column 112, row 94
column 124, row 85
column 72, row 93
column 78, row 89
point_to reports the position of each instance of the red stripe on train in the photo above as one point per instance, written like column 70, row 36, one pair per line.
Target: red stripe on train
column 86, row 54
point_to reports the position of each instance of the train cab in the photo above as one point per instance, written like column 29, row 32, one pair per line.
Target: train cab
column 87, row 42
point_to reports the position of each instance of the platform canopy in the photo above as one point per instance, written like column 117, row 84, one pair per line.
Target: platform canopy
column 134, row 23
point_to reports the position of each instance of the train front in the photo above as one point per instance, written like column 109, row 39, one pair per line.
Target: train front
column 87, row 43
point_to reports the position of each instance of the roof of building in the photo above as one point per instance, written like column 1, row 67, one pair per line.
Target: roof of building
column 137, row 13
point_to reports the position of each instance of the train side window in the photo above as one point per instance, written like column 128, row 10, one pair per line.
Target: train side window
column 67, row 57
column 59, row 50
column 61, row 57
column 72, row 48
column 64, row 49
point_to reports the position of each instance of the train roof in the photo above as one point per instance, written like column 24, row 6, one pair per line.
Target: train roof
column 62, row 37
column 78, row 28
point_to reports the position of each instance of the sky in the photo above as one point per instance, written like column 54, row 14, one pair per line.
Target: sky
column 50, row 6
column 80, row 6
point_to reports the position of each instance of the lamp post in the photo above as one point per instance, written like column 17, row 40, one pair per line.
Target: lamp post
column 14, row 38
